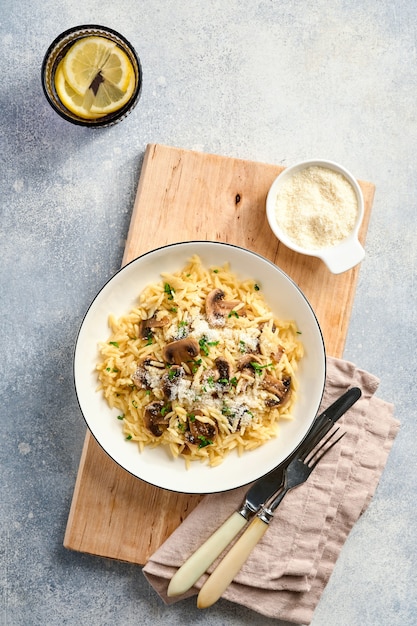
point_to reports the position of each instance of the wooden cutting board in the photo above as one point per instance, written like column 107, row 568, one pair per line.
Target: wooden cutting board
column 184, row 195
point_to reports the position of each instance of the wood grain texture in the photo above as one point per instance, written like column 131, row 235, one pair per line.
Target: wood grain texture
column 185, row 195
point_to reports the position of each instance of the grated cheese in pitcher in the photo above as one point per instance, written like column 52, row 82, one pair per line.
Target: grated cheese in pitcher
column 316, row 207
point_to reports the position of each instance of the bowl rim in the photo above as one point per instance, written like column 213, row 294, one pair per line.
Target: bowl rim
column 274, row 190
column 162, row 248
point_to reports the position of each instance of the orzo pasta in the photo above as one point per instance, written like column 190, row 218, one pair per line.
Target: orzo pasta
column 201, row 365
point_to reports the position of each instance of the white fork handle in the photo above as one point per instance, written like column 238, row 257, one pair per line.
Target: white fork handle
column 227, row 569
column 206, row 554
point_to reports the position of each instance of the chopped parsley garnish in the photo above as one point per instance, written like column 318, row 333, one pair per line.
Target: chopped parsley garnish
column 242, row 346
column 181, row 426
column 149, row 342
column 120, row 417
column 233, row 381
column 235, row 313
column 169, row 291
column 210, row 381
column 129, row 437
column 258, row 368
column 256, row 287
column 173, row 309
column 299, row 332
column 135, row 404
column 204, row 344
column 114, row 343
column 204, row 441
column 182, row 324
column 114, row 370
column 215, row 271
column 223, row 381
column 226, row 410
column 164, row 410
column 191, row 417
column 171, row 374
column 195, row 365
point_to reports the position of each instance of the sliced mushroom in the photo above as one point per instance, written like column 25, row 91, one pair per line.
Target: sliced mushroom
column 246, row 362
column 217, row 308
column 224, row 368
column 169, row 381
column 240, row 417
column 277, row 354
column 200, row 433
column 181, row 351
column 280, row 389
column 153, row 417
column 142, row 375
column 146, row 326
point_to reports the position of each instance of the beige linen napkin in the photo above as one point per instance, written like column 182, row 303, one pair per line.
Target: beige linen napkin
column 289, row 568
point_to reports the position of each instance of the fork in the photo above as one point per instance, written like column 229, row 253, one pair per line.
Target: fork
column 296, row 473
column 262, row 491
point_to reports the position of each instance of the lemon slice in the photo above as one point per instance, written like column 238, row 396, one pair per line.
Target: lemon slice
column 95, row 78
column 93, row 56
column 70, row 98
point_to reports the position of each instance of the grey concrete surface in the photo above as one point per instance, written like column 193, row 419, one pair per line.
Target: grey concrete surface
column 270, row 81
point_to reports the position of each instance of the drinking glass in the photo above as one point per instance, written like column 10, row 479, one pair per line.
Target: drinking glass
column 56, row 52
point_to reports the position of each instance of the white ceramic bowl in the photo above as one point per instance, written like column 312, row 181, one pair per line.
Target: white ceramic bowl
column 155, row 465
column 338, row 258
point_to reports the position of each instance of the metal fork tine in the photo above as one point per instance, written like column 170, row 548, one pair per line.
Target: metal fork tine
column 318, row 454
column 314, row 440
column 298, row 471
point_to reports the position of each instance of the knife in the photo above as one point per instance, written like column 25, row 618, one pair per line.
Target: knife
column 258, row 494
column 296, row 474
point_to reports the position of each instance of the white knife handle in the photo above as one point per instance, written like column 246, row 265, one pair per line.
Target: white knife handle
column 202, row 558
column 227, row 569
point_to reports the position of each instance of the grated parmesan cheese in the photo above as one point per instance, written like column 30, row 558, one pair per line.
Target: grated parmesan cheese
column 316, row 207
column 249, row 338
column 186, row 395
column 151, row 376
column 201, row 328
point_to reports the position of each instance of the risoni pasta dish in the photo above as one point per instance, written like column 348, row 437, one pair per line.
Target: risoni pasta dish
column 201, row 365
